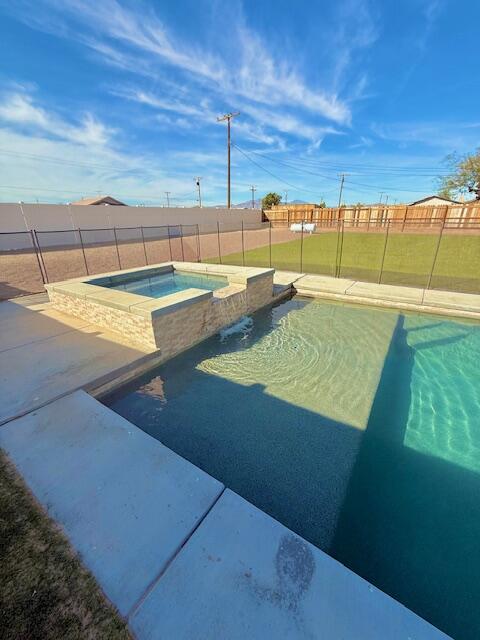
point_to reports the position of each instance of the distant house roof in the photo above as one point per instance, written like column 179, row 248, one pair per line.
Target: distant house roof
column 100, row 200
column 435, row 197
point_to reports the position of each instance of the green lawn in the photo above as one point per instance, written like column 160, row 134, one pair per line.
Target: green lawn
column 408, row 258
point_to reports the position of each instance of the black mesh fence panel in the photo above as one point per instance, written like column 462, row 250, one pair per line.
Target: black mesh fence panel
column 319, row 247
column 131, row 248
column 231, row 244
column 62, row 254
column 256, row 240
column 286, row 245
column 157, row 244
column 457, row 263
column 176, row 242
column 360, row 250
column 20, row 272
column 409, row 252
column 101, row 251
column 190, row 242
column 209, row 243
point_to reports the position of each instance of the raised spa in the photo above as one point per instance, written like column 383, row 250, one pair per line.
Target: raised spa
column 167, row 307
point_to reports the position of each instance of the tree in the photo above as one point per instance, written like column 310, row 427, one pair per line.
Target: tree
column 270, row 200
column 464, row 175
column 322, row 205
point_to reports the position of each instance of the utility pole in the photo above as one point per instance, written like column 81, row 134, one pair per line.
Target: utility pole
column 253, row 189
column 342, row 176
column 167, row 193
column 386, row 200
column 381, row 196
column 197, row 182
column 228, row 117
column 286, row 197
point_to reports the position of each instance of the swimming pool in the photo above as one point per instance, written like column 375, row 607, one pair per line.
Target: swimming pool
column 356, row 427
column 163, row 284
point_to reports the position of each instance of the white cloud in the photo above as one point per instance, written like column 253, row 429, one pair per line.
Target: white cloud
column 63, row 170
column 287, row 123
column 164, row 103
column 247, row 70
column 454, row 136
column 19, row 109
column 205, row 114
column 362, row 143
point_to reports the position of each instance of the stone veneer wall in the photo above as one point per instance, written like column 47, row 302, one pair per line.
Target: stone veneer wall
column 175, row 332
column 259, row 292
column 133, row 327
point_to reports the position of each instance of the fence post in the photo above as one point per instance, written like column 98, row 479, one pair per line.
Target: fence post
column 341, row 249
column 384, row 252
column 199, row 258
column 36, row 249
column 144, row 247
column 336, row 273
column 218, row 241
column 169, row 243
column 436, row 254
column 181, row 242
column 116, row 245
column 243, row 247
column 301, row 250
column 83, row 250
column 270, row 242
column 404, row 218
column 42, row 260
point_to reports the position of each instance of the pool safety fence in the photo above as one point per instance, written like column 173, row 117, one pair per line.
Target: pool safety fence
column 421, row 252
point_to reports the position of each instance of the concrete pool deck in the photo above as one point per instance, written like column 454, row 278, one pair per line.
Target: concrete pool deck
column 178, row 554
column 45, row 354
column 449, row 303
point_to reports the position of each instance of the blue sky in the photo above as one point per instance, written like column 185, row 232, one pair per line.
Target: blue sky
column 122, row 97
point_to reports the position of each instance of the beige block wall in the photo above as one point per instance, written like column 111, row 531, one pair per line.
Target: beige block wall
column 48, row 217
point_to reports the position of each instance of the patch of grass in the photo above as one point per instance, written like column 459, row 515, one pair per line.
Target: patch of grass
column 45, row 592
column 408, row 258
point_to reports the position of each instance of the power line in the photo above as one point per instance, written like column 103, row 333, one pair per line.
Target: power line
column 63, row 161
column 331, row 178
column 46, row 190
column 335, row 166
column 300, row 160
column 294, row 186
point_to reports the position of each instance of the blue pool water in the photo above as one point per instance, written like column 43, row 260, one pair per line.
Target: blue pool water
column 167, row 283
column 358, row 428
